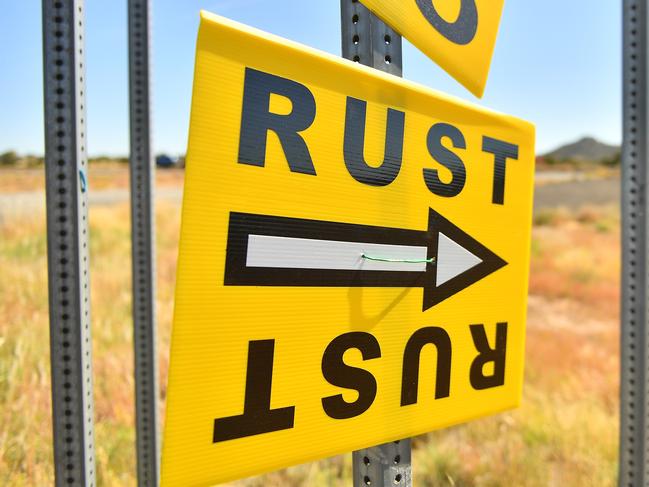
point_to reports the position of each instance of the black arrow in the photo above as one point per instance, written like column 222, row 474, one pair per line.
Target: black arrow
column 244, row 226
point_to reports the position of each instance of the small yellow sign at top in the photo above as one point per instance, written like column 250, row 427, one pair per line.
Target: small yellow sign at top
column 459, row 35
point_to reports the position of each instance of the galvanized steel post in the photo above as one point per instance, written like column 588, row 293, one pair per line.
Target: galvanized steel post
column 66, row 185
column 367, row 40
column 634, row 391
column 143, row 246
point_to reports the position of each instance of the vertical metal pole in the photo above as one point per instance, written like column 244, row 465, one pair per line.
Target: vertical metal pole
column 634, row 390
column 143, row 246
column 367, row 40
column 67, row 242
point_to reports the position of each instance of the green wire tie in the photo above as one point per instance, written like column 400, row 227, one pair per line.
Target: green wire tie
column 403, row 261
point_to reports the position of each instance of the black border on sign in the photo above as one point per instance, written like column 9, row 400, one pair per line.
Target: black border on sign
column 241, row 225
column 490, row 261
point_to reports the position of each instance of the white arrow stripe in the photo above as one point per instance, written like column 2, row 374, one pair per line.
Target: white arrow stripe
column 306, row 253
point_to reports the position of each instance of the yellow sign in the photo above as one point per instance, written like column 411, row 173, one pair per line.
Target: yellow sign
column 353, row 260
column 459, row 35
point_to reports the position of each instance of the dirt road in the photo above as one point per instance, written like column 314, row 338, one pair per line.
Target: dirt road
column 575, row 194
column 570, row 194
column 33, row 202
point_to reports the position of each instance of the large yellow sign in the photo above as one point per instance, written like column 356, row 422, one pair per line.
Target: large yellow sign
column 459, row 35
column 353, row 260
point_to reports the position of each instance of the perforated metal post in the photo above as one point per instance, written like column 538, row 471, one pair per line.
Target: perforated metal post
column 634, row 387
column 369, row 41
column 67, row 242
column 143, row 247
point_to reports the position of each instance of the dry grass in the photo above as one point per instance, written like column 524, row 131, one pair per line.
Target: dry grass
column 101, row 175
column 564, row 434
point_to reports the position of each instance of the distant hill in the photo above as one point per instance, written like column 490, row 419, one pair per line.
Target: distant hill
column 585, row 149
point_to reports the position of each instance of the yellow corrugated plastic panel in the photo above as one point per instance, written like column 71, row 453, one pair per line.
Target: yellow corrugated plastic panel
column 353, row 260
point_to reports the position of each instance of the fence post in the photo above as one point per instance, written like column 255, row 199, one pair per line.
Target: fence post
column 143, row 246
column 634, row 393
column 67, row 242
column 369, row 41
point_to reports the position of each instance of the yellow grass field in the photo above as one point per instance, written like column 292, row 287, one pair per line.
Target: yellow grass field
column 102, row 175
column 564, row 434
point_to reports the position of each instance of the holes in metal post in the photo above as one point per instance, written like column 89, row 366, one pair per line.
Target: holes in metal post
column 634, row 223
column 140, row 183
column 63, row 34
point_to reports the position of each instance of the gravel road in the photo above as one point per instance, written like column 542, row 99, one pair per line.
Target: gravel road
column 575, row 194
column 30, row 202
column 569, row 194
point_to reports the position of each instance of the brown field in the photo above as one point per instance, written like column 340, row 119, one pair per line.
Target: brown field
column 564, row 434
column 102, row 175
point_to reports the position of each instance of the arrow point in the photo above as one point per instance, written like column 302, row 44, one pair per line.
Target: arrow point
column 460, row 260
column 452, row 259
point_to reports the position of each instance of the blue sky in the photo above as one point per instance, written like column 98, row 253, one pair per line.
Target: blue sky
column 557, row 63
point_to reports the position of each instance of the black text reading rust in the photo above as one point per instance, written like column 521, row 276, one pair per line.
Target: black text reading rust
column 257, row 120
column 259, row 418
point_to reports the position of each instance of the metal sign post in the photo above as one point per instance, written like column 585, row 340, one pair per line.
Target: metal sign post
column 369, row 41
column 67, row 242
column 634, row 394
column 143, row 247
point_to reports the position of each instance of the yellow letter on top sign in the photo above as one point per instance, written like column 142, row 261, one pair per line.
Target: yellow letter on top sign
column 459, row 35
